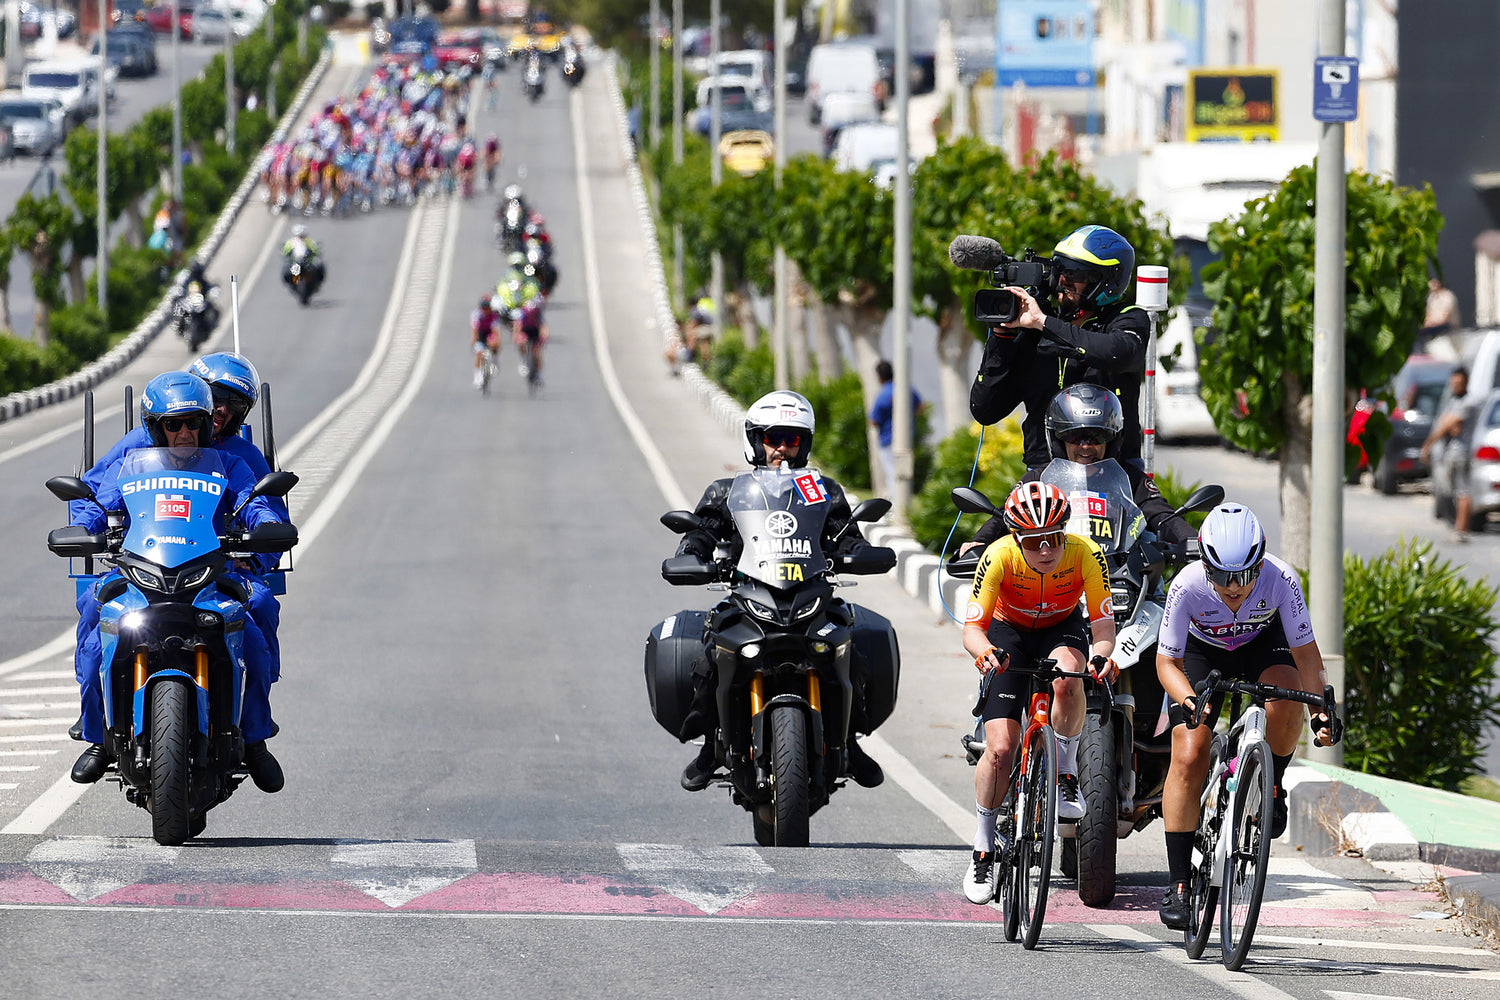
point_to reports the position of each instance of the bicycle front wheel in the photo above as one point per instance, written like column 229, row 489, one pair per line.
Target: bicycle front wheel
column 1249, row 855
column 1203, row 895
column 1038, row 824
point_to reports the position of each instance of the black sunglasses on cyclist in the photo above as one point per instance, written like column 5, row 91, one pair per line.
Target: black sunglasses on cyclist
column 1051, row 539
column 1087, row 437
column 174, row 424
column 783, row 439
column 1232, row 578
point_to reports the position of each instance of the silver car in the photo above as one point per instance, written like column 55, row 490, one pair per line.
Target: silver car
column 36, row 124
column 1482, row 447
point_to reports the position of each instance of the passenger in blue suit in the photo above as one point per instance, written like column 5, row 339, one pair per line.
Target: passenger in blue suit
column 216, row 413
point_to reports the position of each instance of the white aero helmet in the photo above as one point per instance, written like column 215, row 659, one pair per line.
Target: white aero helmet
column 783, row 411
column 1233, row 545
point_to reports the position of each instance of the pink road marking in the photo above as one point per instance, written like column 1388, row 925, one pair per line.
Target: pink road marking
column 914, row 906
column 528, row 893
column 292, row 895
column 19, row 884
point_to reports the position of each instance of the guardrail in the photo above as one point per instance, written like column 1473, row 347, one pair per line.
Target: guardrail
column 127, row 350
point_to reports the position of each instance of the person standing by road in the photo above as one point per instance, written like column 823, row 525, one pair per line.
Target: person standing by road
column 1452, row 428
column 882, row 414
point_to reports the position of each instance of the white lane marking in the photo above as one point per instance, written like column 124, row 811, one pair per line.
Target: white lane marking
column 27, row 753
column 62, row 644
column 40, row 737
column 442, row 862
column 1172, row 953
column 44, row 675
column 1323, row 942
column 709, row 878
column 88, row 867
column 18, row 723
column 1344, row 995
column 10, row 768
column 56, row 434
column 902, row 771
column 1327, row 964
column 7, row 786
column 939, row 867
column 32, row 691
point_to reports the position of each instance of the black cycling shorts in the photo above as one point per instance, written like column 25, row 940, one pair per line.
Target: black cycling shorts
column 1006, row 695
column 1247, row 663
column 533, row 334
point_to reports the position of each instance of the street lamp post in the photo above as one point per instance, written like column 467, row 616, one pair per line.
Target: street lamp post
column 101, row 217
column 231, row 112
column 176, row 105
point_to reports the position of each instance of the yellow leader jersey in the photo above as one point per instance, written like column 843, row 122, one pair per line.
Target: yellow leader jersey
column 1005, row 586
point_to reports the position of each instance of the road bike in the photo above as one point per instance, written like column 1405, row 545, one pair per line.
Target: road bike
column 528, row 368
column 1028, row 816
column 487, row 367
column 1230, row 862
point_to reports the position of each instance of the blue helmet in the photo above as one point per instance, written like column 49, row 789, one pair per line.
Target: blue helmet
column 177, row 394
column 234, row 382
column 1100, row 256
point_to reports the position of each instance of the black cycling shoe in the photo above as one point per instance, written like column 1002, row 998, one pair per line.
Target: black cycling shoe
column 91, row 764
column 862, row 767
column 1174, row 906
column 1278, row 814
column 700, row 770
column 263, row 768
column 75, row 731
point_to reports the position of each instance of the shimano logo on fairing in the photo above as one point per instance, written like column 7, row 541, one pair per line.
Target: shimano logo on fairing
column 191, row 483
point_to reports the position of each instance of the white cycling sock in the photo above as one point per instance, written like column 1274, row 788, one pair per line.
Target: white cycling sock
column 1067, row 754
column 984, row 835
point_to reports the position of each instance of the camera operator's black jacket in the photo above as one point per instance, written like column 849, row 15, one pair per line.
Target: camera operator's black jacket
column 719, row 524
column 1159, row 513
column 1032, row 366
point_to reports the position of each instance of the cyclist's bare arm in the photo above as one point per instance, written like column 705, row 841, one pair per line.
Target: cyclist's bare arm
column 1312, row 678
column 1173, row 678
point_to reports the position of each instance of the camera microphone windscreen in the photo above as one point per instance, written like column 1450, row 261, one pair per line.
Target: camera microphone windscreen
column 975, row 253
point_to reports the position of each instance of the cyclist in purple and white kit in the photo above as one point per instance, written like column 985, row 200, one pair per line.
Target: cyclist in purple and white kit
column 1225, row 614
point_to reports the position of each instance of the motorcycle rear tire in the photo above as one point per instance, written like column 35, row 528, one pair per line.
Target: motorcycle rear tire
column 304, row 292
column 1097, row 836
column 171, row 761
column 790, row 791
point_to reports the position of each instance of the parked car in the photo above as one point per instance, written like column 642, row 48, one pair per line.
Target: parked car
column 746, row 152
column 845, row 108
column 214, row 24
column 1482, row 445
column 1180, row 410
column 128, row 11
column 130, row 54
column 861, row 146
column 37, row 124
column 837, row 66
column 1417, row 389
column 72, row 82
column 159, row 17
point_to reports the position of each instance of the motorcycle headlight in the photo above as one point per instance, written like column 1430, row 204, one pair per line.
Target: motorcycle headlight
column 196, row 578
column 761, row 611
column 808, row 610
column 145, row 578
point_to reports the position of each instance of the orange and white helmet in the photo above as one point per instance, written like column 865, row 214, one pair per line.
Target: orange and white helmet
column 1035, row 508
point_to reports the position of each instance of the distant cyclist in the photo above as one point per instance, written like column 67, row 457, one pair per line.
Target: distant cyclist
column 484, row 336
column 530, row 329
column 491, row 160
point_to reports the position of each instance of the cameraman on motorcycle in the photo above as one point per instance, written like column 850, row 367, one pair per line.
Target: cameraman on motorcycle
column 179, row 410
column 1091, row 337
column 778, row 430
column 304, row 250
column 1084, row 424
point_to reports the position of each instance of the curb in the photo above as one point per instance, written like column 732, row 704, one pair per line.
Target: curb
column 26, row 400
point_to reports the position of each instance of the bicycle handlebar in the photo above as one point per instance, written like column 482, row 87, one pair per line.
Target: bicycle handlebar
column 1047, row 669
column 1259, row 692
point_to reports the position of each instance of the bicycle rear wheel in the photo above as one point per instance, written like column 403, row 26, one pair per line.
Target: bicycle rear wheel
column 1038, row 824
column 1010, row 900
column 1249, row 855
column 1203, row 895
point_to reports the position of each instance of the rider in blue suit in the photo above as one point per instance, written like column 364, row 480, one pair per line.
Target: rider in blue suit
column 223, row 408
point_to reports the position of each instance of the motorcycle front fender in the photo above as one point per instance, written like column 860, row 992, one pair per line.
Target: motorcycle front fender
column 176, row 677
column 1139, row 635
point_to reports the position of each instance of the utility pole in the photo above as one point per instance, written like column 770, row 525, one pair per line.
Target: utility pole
column 176, row 107
column 231, row 112
column 101, row 217
column 902, row 417
column 716, row 170
column 677, row 112
column 1326, row 553
column 780, row 335
column 654, row 101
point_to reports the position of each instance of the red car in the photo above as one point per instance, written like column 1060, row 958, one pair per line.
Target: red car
column 462, row 47
column 159, row 18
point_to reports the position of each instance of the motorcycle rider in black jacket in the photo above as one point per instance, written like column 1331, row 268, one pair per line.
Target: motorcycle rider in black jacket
column 1091, row 338
column 778, row 428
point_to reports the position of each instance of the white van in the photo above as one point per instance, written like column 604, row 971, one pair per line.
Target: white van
column 72, row 83
column 862, row 145
column 842, row 66
column 753, row 63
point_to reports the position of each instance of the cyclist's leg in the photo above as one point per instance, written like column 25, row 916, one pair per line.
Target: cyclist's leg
column 1185, row 774
column 1001, row 707
column 1068, row 708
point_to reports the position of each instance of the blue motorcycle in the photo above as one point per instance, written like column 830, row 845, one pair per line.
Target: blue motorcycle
column 172, row 622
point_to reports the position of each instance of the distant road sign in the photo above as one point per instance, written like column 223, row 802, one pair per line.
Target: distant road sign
column 1335, row 88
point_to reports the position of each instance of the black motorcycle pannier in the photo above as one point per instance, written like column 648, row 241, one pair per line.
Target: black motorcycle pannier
column 879, row 660
column 671, row 649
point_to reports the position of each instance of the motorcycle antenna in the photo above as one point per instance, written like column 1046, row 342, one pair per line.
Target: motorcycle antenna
column 234, row 308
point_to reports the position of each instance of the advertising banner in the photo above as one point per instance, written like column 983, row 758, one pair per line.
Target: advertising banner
column 1232, row 105
column 1044, row 43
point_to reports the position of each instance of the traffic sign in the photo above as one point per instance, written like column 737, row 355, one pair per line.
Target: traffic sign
column 1335, row 88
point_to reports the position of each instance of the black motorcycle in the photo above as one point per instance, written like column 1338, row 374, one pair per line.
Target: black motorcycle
column 792, row 660
column 1122, row 759
column 534, row 80
column 196, row 313
column 539, row 265
column 572, row 71
column 303, row 276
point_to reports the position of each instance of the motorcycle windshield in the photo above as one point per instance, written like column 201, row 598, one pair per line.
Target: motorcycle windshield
column 171, row 496
column 1101, row 502
column 779, row 514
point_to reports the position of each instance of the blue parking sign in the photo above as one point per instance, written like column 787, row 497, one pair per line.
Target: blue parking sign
column 1335, row 88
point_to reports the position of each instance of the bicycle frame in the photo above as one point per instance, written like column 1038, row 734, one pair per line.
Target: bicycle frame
column 1246, row 731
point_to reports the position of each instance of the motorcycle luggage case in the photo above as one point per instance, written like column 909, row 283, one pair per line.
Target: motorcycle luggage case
column 671, row 649
column 880, row 662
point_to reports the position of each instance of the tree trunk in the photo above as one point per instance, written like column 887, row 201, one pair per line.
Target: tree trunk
column 41, row 330
column 1295, row 477
column 77, row 288
column 825, row 345
column 796, row 322
column 955, row 346
column 133, row 234
column 5, row 321
column 744, row 315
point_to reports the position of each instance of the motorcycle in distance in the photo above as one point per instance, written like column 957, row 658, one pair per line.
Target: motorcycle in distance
column 572, row 70
column 784, row 648
column 196, row 313
column 172, row 627
column 510, row 224
column 1122, row 759
column 302, row 275
column 539, row 265
column 534, row 79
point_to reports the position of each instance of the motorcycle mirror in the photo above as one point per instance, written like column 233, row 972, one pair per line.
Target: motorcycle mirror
column 275, row 484
column 681, row 521
column 872, row 509
column 1203, row 498
column 213, row 293
column 971, row 501
column 69, row 488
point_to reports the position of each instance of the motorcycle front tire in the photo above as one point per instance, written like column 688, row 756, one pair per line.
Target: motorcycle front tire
column 790, row 791
column 1096, row 836
column 171, row 760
